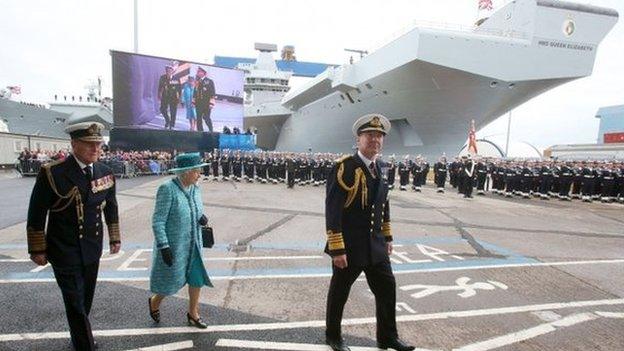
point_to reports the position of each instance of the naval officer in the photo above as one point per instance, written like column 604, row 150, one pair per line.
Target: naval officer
column 357, row 217
column 72, row 194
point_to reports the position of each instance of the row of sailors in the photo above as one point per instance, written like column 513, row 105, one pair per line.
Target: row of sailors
column 565, row 180
column 270, row 167
column 586, row 180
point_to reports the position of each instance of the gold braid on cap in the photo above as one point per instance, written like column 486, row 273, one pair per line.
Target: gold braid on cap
column 360, row 180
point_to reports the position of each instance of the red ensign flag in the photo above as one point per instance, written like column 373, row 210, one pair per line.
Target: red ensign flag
column 472, row 139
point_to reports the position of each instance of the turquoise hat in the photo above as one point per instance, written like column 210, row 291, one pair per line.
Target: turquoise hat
column 184, row 162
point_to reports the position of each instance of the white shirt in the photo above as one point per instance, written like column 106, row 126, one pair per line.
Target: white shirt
column 367, row 162
column 82, row 165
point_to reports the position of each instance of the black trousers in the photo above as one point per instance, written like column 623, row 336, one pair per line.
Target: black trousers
column 169, row 110
column 545, row 185
column 565, row 184
column 481, row 181
column 77, row 285
column 440, row 180
column 203, row 114
column 381, row 282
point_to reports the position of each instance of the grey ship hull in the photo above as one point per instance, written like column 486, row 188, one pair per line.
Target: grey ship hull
column 432, row 82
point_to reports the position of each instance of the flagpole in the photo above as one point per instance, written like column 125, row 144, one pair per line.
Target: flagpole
column 136, row 26
column 508, row 132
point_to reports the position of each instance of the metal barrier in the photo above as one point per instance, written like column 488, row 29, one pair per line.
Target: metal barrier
column 29, row 168
column 135, row 168
column 121, row 169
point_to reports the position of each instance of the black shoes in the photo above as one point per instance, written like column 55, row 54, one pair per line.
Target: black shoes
column 395, row 344
column 154, row 314
column 337, row 344
column 197, row 323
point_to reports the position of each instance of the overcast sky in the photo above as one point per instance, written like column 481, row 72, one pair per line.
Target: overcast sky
column 56, row 47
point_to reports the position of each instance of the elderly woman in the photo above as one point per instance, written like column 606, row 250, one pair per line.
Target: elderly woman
column 177, row 256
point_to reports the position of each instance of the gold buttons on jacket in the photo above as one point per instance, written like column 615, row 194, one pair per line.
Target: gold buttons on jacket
column 80, row 236
column 97, row 224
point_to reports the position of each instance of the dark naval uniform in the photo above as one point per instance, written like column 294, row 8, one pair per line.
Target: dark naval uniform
column 73, row 201
column 204, row 92
column 440, row 170
column 169, row 93
column 357, row 217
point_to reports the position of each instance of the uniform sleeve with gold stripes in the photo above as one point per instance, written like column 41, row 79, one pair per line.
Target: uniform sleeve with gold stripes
column 111, row 215
column 334, row 204
column 41, row 200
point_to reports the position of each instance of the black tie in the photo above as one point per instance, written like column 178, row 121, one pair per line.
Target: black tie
column 88, row 174
column 372, row 169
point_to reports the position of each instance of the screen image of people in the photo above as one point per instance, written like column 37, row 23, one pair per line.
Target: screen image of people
column 160, row 93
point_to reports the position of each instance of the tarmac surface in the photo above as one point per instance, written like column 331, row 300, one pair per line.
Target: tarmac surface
column 479, row 274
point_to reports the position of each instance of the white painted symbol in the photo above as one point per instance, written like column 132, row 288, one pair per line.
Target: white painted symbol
column 39, row 268
column 125, row 266
column 400, row 257
column 462, row 285
column 435, row 253
column 106, row 256
column 402, row 306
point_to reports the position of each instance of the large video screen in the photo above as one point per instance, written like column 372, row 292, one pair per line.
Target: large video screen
column 169, row 94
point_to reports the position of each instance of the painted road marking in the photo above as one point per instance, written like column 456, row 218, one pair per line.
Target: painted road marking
column 610, row 314
column 526, row 334
column 403, row 306
column 182, row 345
column 547, row 316
column 461, row 284
column 317, row 323
column 125, row 266
column 290, row 346
column 140, row 251
column 326, row 272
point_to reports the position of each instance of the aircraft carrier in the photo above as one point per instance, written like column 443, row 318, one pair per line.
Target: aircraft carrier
column 431, row 81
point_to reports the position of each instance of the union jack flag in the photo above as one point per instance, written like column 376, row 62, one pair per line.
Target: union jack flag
column 485, row 5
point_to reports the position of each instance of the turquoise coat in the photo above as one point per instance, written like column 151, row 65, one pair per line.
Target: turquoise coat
column 175, row 225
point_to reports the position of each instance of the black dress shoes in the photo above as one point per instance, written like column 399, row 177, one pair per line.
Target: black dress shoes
column 395, row 344
column 197, row 323
column 337, row 344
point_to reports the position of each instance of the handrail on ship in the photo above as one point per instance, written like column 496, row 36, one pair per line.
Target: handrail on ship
column 455, row 27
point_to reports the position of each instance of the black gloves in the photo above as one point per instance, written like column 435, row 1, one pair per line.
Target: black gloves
column 167, row 256
column 203, row 220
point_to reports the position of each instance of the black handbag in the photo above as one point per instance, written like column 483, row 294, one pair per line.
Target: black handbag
column 207, row 237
